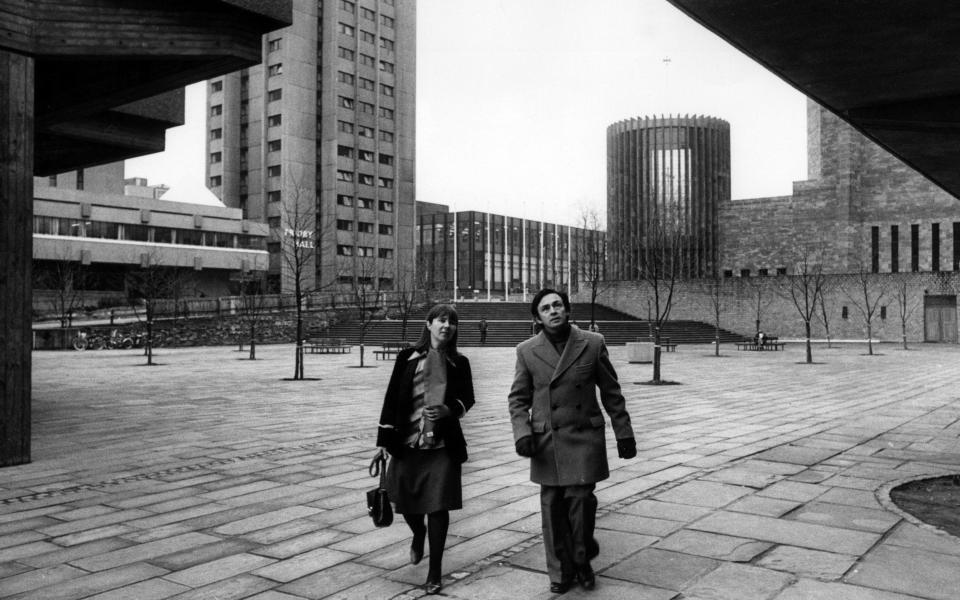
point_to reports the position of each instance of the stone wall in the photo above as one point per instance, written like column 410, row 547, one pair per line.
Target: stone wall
column 778, row 314
column 855, row 185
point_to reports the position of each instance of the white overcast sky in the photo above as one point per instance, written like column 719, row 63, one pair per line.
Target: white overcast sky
column 514, row 98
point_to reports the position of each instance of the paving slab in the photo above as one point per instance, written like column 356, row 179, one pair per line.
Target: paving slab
column 732, row 581
column 662, row 569
column 930, row 574
column 804, row 562
column 809, row 589
column 794, row 533
column 704, row 493
column 850, row 517
column 712, row 545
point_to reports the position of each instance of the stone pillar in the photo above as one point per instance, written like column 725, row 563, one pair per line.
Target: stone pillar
column 16, row 226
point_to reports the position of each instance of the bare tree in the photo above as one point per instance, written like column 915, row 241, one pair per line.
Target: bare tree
column 825, row 313
column 66, row 280
column 715, row 288
column 659, row 259
column 252, row 308
column 804, row 288
column 406, row 297
column 861, row 294
column 907, row 304
column 761, row 292
column 306, row 234
column 151, row 285
column 298, row 255
column 367, row 294
column 591, row 255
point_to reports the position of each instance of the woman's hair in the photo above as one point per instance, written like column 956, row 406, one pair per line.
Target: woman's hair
column 440, row 310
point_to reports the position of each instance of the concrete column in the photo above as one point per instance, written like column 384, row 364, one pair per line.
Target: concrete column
column 16, row 226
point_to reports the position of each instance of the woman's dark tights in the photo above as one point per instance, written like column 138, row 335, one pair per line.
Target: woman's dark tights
column 436, row 530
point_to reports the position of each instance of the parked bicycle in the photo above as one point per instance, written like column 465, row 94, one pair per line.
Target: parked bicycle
column 118, row 340
column 82, row 340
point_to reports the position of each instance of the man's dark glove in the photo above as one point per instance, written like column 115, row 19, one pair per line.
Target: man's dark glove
column 525, row 446
column 627, row 447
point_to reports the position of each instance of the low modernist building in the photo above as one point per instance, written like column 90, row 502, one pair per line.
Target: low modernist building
column 106, row 234
column 481, row 255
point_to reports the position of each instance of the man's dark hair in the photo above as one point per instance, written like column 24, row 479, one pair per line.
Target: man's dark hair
column 546, row 292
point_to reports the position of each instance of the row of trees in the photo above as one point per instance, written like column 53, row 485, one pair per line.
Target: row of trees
column 660, row 258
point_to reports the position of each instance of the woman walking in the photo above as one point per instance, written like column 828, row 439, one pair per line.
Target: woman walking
column 430, row 389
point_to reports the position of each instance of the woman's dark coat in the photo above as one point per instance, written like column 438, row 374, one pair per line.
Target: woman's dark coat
column 398, row 404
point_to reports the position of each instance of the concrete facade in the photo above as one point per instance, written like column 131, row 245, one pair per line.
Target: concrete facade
column 318, row 142
column 111, row 233
column 482, row 255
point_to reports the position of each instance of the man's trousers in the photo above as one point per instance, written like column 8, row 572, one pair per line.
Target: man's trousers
column 569, row 515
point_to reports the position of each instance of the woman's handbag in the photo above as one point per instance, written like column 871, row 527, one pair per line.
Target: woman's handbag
column 378, row 505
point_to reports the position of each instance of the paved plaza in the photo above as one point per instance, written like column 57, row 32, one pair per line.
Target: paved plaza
column 212, row 477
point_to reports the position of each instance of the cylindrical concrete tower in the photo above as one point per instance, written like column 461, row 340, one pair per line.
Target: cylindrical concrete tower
column 666, row 180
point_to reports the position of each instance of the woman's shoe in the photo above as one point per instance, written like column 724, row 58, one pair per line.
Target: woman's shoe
column 432, row 586
column 416, row 550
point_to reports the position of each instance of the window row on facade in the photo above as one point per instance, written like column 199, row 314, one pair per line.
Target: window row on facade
column 365, row 107
column 363, row 251
column 368, row 203
column 364, row 155
column 897, row 239
column 364, row 83
column 364, row 179
column 144, row 233
column 365, row 36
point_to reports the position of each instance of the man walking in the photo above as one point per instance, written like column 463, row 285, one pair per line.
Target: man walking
column 482, row 326
column 557, row 422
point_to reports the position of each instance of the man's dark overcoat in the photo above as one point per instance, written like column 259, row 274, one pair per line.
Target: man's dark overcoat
column 554, row 398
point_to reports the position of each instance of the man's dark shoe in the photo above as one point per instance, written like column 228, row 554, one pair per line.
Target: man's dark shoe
column 561, row 587
column 586, row 577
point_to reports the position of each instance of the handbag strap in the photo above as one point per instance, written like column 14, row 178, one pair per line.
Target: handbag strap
column 378, row 466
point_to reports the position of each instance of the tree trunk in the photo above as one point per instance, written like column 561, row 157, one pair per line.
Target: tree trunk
column 903, row 334
column 806, row 326
column 716, row 340
column 253, row 341
column 869, row 339
column 656, row 355
column 298, row 363
column 149, row 340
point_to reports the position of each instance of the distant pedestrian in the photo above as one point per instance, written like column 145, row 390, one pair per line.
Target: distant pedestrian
column 482, row 326
column 558, row 423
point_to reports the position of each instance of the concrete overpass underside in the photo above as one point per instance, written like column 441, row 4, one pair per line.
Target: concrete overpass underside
column 888, row 67
column 87, row 82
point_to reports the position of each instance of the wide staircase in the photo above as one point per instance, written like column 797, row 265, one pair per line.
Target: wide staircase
column 509, row 323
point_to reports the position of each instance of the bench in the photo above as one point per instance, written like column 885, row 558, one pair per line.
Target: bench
column 390, row 350
column 769, row 343
column 326, row 346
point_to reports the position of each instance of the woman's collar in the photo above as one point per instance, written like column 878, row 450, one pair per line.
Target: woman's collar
column 416, row 355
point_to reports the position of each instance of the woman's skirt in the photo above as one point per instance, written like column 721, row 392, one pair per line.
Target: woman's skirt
column 424, row 481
